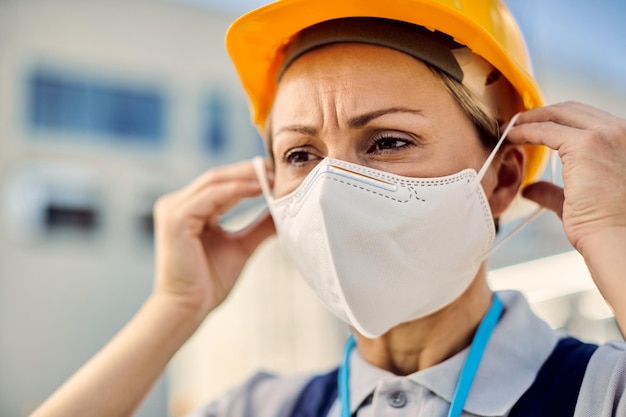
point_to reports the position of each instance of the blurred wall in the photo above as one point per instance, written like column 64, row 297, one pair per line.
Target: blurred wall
column 104, row 105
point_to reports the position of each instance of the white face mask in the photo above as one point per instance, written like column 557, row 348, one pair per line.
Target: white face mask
column 381, row 249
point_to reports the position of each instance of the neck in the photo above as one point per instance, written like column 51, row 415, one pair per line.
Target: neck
column 425, row 342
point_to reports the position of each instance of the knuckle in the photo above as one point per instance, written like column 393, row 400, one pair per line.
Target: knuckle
column 553, row 111
column 594, row 139
column 211, row 176
column 595, row 135
column 233, row 187
column 165, row 212
column 568, row 105
column 174, row 219
column 618, row 130
column 171, row 222
column 161, row 206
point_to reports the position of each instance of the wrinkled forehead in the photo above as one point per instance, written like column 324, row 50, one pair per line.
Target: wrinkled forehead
column 352, row 79
column 432, row 47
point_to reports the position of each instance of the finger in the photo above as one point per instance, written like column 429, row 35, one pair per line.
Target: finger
column 255, row 233
column 239, row 171
column 547, row 195
column 209, row 204
column 572, row 114
column 548, row 134
column 213, row 202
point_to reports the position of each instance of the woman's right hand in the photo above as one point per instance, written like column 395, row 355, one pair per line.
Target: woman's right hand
column 198, row 262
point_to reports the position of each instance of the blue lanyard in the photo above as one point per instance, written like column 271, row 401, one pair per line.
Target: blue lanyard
column 485, row 328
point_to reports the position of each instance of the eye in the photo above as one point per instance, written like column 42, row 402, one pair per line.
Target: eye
column 389, row 142
column 298, row 157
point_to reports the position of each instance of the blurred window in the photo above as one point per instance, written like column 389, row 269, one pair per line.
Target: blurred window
column 62, row 102
column 215, row 118
column 59, row 217
column 146, row 226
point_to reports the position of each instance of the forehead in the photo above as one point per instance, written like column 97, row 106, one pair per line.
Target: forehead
column 356, row 77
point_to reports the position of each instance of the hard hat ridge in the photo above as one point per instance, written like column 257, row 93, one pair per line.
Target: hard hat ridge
column 417, row 41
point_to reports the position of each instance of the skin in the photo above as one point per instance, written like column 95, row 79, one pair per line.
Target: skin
column 326, row 106
column 198, row 263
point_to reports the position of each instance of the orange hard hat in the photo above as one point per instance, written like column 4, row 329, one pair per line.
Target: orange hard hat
column 257, row 41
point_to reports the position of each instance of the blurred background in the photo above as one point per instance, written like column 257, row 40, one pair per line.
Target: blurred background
column 105, row 105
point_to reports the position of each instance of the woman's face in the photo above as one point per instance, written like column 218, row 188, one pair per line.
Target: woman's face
column 372, row 106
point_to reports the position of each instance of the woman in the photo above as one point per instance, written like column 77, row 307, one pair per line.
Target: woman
column 388, row 171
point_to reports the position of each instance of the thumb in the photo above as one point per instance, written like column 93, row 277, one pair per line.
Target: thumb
column 255, row 233
column 547, row 195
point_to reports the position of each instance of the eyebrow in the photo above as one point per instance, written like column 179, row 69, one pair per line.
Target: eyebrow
column 364, row 119
column 354, row 122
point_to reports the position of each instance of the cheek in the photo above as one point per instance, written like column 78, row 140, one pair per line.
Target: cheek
column 489, row 181
column 284, row 184
column 454, row 158
column 280, row 188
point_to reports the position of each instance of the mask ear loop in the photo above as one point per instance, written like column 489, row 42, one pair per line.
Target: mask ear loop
column 259, row 169
column 535, row 213
column 494, row 152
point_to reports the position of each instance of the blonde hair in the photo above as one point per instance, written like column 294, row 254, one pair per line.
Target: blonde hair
column 486, row 125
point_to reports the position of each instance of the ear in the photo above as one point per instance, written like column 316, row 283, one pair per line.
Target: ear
column 509, row 172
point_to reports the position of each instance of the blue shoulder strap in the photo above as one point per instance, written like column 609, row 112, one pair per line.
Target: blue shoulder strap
column 553, row 394
column 555, row 390
column 317, row 396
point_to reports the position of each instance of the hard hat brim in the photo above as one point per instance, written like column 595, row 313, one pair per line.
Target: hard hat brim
column 256, row 42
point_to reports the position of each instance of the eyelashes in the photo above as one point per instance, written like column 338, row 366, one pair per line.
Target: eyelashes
column 298, row 156
column 388, row 143
column 381, row 142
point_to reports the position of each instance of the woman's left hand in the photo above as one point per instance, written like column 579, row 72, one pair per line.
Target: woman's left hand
column 592, row 203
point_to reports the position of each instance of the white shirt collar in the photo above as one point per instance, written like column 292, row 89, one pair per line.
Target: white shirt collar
column 517, row 349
